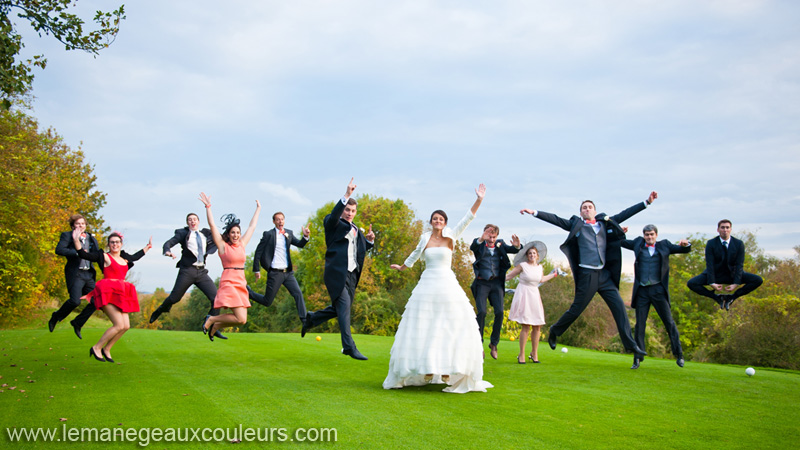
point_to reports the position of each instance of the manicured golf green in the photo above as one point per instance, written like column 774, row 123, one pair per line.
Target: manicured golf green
column 579, row 399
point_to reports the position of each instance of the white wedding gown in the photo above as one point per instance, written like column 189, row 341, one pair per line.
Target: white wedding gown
column 438, row 333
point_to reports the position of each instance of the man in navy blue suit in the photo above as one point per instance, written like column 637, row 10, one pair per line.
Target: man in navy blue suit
column 651, row 286
column 725, row 266
column 344, row 260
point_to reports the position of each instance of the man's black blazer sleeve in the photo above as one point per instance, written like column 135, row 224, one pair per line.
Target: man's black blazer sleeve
column 555, row 220
column 628, row 213
column 174, row 240
column 739, row 267
column 262, row 244
column 64, row 246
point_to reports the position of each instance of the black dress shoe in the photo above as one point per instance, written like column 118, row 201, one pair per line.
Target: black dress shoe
column 51, row 324
column 306, row 326
column 217, row 334
column 728, row 302
column 551, row 339
column 156, row 313
column 250, row 293
column 76, row 328
column 493, row 351
column 636, row 362
column 91, row 353
column 105, row 355
column 679, row 362
column 355, row 354
column 639, row 352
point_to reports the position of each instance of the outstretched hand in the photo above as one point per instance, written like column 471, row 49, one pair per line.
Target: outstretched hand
column 527, row 211
column 306, row 231
column 350, row 188
column 480, row 191
column 149, row 245
column 205, row 199
column 653, row 196
column 398, row 267
column 515, row 240
column 76, row 238
column 258, row 204
column 370, row 234
column 683, row 242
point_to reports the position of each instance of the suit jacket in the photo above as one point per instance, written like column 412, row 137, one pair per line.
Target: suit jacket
column 717, row 265
column 66, row 247
column 187, row 257
column 503, row 249
column 336, row 230
column 266, row 248
column 608, row 224
column 663, row 248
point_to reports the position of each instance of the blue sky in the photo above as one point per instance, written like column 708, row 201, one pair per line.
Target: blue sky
column 547, row 103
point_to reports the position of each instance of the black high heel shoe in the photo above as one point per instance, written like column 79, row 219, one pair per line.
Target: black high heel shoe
column 521, row 362
column 91, row 353
column 534, row 360
column 105, row 355
column 211, row 333
column 203, row 325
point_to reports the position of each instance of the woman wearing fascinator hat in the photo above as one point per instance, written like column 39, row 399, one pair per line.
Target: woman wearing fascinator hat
column 526, row 307
column 232, row 291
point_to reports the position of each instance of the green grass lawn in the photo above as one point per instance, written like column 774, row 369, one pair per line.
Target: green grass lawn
column 581, row 399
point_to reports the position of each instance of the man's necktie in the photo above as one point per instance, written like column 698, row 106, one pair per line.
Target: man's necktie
column 199, row 247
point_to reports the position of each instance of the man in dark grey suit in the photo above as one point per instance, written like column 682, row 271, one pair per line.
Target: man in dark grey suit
column 595, row 257
column 274, row 254
column 196, row 245
column 651, row 286
column 78, row 273
column 344, row 260
column 725, row 265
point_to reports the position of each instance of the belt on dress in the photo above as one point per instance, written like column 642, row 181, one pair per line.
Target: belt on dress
column 233, row 268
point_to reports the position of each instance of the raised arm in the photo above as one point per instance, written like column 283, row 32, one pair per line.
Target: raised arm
column 514, row 272
column 63, row 248
column 252, row 227
column 215, row 236
column 562, row 223
column 98, row 256
column 480, row 192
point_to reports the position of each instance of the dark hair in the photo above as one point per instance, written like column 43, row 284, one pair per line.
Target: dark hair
column 190, row 215
column 588, row 201
column 114, row 234
column 230, row 222
column 74, row 218
column 494, row 228
column 439, row 212
column 276, row 214
column 352, row 201
column 650, row 227
column 724, row 221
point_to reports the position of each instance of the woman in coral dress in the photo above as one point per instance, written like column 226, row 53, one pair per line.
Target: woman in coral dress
column 232, row 291
column 438, row 340
column 115, row 296
column 526, row 307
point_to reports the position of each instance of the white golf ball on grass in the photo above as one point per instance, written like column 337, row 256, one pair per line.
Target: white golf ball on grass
column 564, row 349
column 750, row 371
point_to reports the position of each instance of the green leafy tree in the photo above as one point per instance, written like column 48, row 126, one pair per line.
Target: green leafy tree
column 50, row 17
column 42, row 182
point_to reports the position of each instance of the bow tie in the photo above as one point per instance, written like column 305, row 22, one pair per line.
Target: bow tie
column 283, row 232
column 590, row 222
column 648, row 245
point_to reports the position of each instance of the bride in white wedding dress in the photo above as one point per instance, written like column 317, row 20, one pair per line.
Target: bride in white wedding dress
column 438, row 340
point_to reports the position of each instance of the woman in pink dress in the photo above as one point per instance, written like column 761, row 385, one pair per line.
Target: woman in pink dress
column 115, row 296
column 232, row 291
column 526, row 307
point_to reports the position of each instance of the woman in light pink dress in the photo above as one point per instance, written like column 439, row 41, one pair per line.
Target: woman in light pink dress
column 526, row 307
column 232, row 291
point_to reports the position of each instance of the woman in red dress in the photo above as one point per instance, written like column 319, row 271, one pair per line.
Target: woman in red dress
column 115, row 296
column 232, row 291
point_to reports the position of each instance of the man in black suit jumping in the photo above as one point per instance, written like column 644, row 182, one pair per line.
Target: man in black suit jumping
column 651, row 286
column 196, row 245
column 78, row 273
column 274, row 254
column 595, row 257
column 725, row 265
column 344, row 260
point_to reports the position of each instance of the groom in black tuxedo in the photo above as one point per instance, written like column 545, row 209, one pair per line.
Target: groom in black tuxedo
column 651, row 286
column 274, row 254
column 725, row 265
column 196, row 245
column 344, row 260
column 78, row 273
column 490, row 266
column 594, row 253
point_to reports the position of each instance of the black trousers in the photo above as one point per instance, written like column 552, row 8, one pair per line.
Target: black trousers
column 188, row 276
column 340, row 308
column 750, row 283
column 655, row 295
column 77, row 287
column 276, row 279
column 596, row 281
column 493, row 290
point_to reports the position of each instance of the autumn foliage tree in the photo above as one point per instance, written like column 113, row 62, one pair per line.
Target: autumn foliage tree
column 42, row 182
